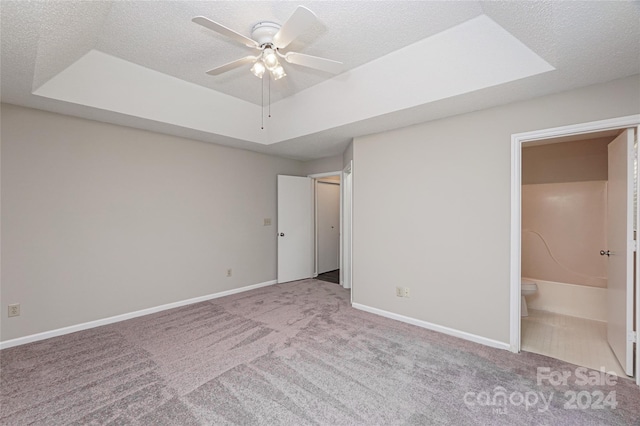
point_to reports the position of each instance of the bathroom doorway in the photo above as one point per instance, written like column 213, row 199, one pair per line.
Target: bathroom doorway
column 564, row 208
column 558, row 230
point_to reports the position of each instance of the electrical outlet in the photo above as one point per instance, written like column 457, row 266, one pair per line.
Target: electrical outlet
column 267, row 221
column 14, row 310
column 399, row 292
column 406, row 292
column 229, row 272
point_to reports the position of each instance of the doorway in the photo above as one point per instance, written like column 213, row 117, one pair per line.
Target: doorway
column 519, row 141
column 327, row 228
column 298, row 240
column 564, row 212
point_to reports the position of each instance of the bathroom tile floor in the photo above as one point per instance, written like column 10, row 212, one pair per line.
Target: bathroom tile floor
column 576, row 340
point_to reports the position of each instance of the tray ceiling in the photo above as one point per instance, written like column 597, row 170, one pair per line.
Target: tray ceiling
column 142, row 64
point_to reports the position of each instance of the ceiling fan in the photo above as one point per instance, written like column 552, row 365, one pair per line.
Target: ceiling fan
column 270, row 38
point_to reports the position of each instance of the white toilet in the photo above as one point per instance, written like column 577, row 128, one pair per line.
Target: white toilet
column 527, row 288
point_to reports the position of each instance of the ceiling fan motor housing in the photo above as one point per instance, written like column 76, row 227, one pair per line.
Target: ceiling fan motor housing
column 263, row 32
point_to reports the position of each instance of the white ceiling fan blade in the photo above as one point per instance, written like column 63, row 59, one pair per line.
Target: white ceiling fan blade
column 322, row 64
column 297, row 23
column 221, row 29
column 231, row 65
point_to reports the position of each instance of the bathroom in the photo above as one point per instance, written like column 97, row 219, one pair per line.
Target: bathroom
column 564, row 229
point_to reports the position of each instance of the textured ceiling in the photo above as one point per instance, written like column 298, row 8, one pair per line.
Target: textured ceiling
column 586, row 42
column 160, row 35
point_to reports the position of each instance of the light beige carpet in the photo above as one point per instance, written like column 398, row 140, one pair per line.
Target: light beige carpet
column 291, row 354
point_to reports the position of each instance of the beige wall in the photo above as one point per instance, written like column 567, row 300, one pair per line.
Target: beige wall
column 100, row 220
column 563, row 231
column 323, row 165
column 443, row 228
column 576, row 161
column 347, row 156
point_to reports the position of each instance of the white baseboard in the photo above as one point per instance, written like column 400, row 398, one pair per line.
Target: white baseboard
column 434, row 327
column 123, row 317
column 569, row 299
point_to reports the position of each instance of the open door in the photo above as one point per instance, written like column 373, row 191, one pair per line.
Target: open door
column 346, row 225
column 620, row 249
column 637, row 265
column 295, row 228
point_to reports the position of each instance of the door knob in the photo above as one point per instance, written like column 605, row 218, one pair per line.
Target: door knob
column 605, row 253
column 282, row 234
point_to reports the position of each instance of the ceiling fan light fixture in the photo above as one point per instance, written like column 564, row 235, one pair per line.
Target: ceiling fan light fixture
column 258, row 69
column 278, row 72
column 270, row 59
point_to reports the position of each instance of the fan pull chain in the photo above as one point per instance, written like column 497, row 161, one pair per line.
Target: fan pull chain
column 262, row 102
column 269, row 95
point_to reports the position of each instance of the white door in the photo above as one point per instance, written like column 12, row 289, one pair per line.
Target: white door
column 328, row 210
column 295, row 228
column 345, row 259
column 620, row 248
